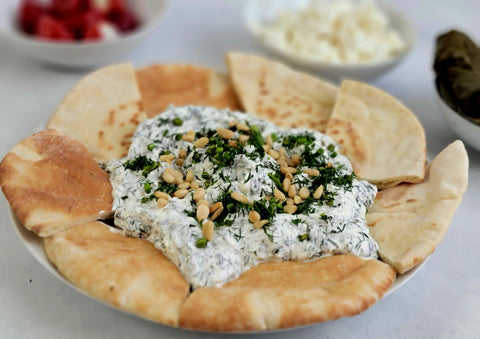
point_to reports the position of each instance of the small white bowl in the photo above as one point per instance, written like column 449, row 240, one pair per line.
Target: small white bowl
column 464, row 128
column 258, row 13
column 78, row 54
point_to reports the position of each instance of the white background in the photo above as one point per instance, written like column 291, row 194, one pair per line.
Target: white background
column 441, row 301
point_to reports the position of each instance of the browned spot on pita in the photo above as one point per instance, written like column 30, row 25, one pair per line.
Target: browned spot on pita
column 101, row 134
column 111, row 117
column 271, row 112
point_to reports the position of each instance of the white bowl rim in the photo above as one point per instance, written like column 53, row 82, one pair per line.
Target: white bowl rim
column 389, row 10
column 451, row 110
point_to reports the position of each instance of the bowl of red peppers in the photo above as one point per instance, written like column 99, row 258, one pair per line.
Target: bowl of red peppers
column 78, row 33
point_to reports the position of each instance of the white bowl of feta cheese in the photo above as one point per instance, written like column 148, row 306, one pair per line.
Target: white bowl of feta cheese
column 335, row 39
column 80, row 54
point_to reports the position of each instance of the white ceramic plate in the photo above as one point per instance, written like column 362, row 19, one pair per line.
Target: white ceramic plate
column 34, row 244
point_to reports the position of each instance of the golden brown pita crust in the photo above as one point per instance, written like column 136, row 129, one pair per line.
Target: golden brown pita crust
column 52, row 183
column 102, row 111
column 272, row 91
column 127, row 273
column 181, row 85
column 382, row 138
column 409, row 220
column 289, row 294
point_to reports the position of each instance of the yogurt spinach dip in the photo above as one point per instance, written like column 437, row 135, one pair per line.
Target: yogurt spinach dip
column 219, row 192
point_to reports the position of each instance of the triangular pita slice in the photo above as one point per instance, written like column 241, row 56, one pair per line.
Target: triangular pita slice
column 52, row 182
column 127, row 273
column 272, row 91
column 181, row 85
column 409, row 220
column 102, row 111
column 382, row 138
column 279, row 295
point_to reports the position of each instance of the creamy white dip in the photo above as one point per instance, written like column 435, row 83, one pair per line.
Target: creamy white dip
column 332, row 224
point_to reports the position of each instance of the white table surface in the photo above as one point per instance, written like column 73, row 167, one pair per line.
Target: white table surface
column 441, row 301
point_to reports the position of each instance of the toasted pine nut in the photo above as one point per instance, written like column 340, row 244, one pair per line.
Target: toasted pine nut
column 290, row 162
column 232, row 123
column 260, row 224
column 318, row 192
column 203, row 202
column 243, row 127
column 292, row 191
column 239, row 197
column 278, row 195
column 290, row 209
column 232, row 143
column 216, row 206
column 176, row 174
column 162, row 202
column 188, row 137
column 286, row 184
column 290, row 201
column 161, row 195
column 169, row 178
column 286, row 170
column 167, row 158
column 312, row 172
column 207, row 230
column 289, row 176
column 179, row 162
column 297, row 200
column 180, row 194
column 194, row 185
column 274, row 154
column 266, row 148
column 269, row 140
column 202, row 212
column 243, row 138
column 182, row 153
column 282, row 162
column 202, row 142
column 282, row 151
column 184, row 185
column 199, row 194
column 253, row 216
column 189, row 176
column 217, row 213
column 225, row 133
column 329, row 165
column 296, row 158
column 304, row 192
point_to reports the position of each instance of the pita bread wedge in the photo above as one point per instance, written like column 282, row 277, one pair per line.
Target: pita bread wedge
column 52, row 182
column 382, row 138
column 180, row 85
column 272, row 91
column 289, row 294
column 102, row 111
column 127, row 273
column 408, row 221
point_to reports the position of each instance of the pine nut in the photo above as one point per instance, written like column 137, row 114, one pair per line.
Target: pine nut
column 260, row 224
column 170, row 179
column 188, row 137
column 215, row 206
column 232, row 123
column 289, row 176
column 162, row 202
column 182, row 153
column 274, row 154
column 266, row 148
column 176, row 174
column 243, row 138
column 179, row 162
column 180, row 194
column 286, row 184
column 286, row 170
column 189, row 177
column 269, row 140
column 184, row 185
column 167, row 158
column 290, row 209
column 207, row 230
column 253, row 216
column 203, row 202
column 202, row 142
column 161, row 195
column 312, row 172
column 239, row 197
column 243, row 127
column 304, row 192
column 202, row 212
column 318, row 192
column 290, row 201
column 278, row 195
column 282, row 162
column 225, row 133
column 329, row 165
column 232, row 143
column 292, row 191
column 199, row 194
column 217, row 213
column 296, row 159
column 194, row 185
column 297, row 200
column 282, row 152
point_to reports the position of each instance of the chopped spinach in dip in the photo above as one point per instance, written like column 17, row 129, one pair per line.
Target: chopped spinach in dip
column 219, row 192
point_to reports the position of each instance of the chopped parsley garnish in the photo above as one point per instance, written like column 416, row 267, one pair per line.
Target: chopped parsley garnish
column 303, row 237
column 141, row 163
